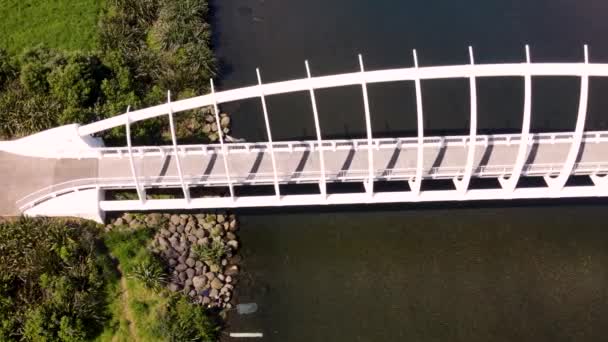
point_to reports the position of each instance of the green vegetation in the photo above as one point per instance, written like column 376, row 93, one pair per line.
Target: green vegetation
column 60, row 24
column 211, row 254
column 146, row 47
column 149, row 310
column 52, row 280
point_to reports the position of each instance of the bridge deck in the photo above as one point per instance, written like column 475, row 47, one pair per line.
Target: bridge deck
column 20, row 176
column 352, row 164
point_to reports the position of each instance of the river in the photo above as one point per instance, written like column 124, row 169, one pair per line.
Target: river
column 478, row 271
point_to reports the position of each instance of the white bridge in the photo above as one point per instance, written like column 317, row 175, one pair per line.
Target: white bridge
column 405, row 162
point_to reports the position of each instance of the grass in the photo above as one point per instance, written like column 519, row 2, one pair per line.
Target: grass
column 62, row 24
column 134, row 307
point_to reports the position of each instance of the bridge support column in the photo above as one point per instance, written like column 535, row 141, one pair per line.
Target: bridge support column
column 277, row 190
column 462, row 184
column 221, row 137
column 369, row 184
column 178, row 163
column 141, row 192
column 416, row 183
column 557, row 184
column 315, row 112
column 510, row 184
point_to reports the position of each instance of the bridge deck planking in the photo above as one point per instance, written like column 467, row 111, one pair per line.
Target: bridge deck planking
column 303, row 165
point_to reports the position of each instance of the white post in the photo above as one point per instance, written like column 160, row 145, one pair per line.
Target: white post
column 175, row 151
column 221, row 137
column 417, row 182
column 322, row 183
column 510, row 184
column 463, row 184
column 557, row 184
column 141, row 193
column 270, row 144
column 369, row 185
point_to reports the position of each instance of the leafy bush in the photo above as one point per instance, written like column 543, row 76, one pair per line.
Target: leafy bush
column 51, row 281
column 151, row 274
column 183, row 321
column 212, row 253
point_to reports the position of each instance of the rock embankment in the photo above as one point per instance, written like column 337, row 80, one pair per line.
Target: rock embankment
column 200, row 252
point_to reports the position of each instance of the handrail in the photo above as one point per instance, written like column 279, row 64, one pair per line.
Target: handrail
column 343, row 144
column 299, row 177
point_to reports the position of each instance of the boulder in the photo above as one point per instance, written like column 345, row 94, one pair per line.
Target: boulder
column 180, row 229
column 165, row 232
column 175, row 219
column 200, row 233
column 199, row 263
column 190, row 273
column 174, row 287
column 225, row 121
column 216, row 283
column 172, row 228
column 190, row 262
column 233, row 243
column 127, row 217
column 163, row 242
column 199, row 282
column 231, row 270
column 172, row 262
column 182, row 276
column 214, row 293
column 181, row 267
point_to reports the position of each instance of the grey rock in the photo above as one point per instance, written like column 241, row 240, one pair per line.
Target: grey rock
column 163, row 242
column 190, row 273
column 221, row 277
column 233, row 225
column 172, row 262
column 210, row 275
column 165, row 232
column 216, row 283
column 199, row 264
column 174, row 287
column 184, row 216
column 231, row 270
column 208, row 225
column 182, row 259
column 175, row 219
column 182, row 222
column 192, row 293
column 182, row 276
column 193, row 239
column 214, row 293
column 190, row 262
column 214, row 268
column 127, row 217
column 180, row 229
column 230, row 236
column 199, row 282
column 119, row 222
column 221, row 218
column 200, row 233
column 206, row 300
column 233, row 243
column 228, row 279
column 172, row 228
column 181, row 267
column 224, row 262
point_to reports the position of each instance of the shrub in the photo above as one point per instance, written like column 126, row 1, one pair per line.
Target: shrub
column 52, row 280
column 183, row 321
column 212, row 253
column 150, row 273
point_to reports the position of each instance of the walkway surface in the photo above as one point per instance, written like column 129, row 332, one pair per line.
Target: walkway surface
column 348, row 164
column 20, row 176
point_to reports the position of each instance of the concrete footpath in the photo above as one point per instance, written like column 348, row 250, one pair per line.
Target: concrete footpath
column 20, row 176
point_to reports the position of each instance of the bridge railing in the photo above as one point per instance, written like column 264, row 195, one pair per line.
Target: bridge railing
column 536, row 170
column 340, row 145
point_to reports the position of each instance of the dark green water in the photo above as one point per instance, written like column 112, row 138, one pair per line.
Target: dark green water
column 475, row 272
